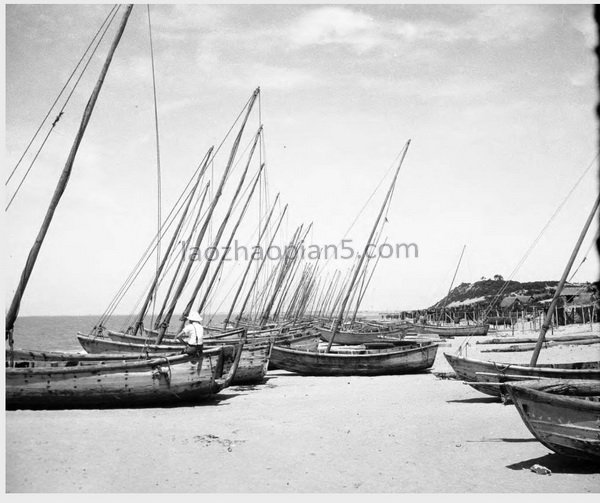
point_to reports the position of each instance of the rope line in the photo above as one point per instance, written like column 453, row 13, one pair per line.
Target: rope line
column 59, row 95
column 60, row 113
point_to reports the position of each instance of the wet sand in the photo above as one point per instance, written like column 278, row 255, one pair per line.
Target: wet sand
column 292, row 434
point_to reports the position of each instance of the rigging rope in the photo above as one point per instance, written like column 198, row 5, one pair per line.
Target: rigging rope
column 539, row 236
column 60, row 94
column 158, row 170
column 61, row 112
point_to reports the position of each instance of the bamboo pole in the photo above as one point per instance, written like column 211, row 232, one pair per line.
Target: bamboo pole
column 561, row 284
column 338, row 320
column 183, row 255
column 165, row 322
column 262, row 263
column 231, row 236
column 152, row 290
column 251, row 259
column 13, row 311
column 220, row 231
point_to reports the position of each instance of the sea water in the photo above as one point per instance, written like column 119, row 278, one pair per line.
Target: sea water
column 59, row 333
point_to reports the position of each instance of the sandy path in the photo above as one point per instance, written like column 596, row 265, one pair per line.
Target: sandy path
column 410, row 433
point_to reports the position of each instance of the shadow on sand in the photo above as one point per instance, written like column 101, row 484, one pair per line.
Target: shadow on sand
column 557, row 463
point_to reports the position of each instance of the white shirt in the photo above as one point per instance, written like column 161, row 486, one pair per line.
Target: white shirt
column 194, row 334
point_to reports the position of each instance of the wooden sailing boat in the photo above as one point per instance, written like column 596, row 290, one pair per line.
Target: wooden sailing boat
column 253, row 363
column 564, row 415
column 49, row 380
column 411, row 358
column 485, row 376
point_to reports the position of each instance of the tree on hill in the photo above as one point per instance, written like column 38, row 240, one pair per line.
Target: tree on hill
column 498, row 277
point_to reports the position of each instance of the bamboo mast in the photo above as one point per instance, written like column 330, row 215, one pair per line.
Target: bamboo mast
column 152, row 291
column 452, row 282
column 561, row 284
column 338, row 320
column 286, row 262
column 183, row 255
column 220, row 231
column 262, row 263
column 363, row 288
column 288, row 272
column 260, row 236
column 13, row 311
column 231, row 236
column 166, row 320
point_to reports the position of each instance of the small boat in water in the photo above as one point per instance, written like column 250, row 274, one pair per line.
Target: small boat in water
column 564, row 415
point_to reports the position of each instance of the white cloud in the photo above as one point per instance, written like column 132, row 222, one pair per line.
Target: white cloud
column 336, row 25
column 497, row 23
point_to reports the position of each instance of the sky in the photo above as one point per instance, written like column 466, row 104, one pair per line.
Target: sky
column 497, row 100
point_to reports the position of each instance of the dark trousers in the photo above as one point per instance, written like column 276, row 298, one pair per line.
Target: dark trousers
column 194, row 350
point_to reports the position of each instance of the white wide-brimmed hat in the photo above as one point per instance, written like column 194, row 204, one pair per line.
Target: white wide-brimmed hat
column 194, row 317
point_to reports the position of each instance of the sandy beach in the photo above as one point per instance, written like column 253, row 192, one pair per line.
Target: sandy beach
column 390, row 434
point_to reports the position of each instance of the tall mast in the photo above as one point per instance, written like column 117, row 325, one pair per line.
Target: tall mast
column 167, row 318
column 288, row 265
column 151, row 292
column 338, row 320
column 452, row 282
column 262, row 263
column 183, row 254
column 227, row 246
column 220, row 231
column 13, row 311
column 561, row 284
column 260, row 236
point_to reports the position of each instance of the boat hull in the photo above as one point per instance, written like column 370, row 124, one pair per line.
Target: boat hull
column 458, row 331
column 568, row 425
column 252, row 367
column 110, row 383
column 484, row 376
column 353, row 338
column 367, row 363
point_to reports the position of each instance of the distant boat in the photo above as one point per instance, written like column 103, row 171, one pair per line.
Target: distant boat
column 563, row 415
column 454, row 331
column 350, row 337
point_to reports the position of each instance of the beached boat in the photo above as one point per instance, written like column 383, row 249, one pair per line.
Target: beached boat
column 348, row 337
column 344, row 360
column 563, row 415
column 62, row 380
column 479, row 374
column 485, row 376
column 41, row 381
column 252, row 366
column 454, row 331
column 363, row 362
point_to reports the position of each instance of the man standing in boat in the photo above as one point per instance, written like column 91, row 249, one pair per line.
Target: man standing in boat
column 193, row 331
